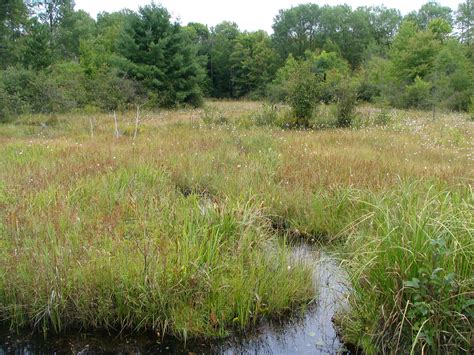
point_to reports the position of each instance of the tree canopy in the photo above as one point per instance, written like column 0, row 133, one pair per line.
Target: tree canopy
column 146, row 57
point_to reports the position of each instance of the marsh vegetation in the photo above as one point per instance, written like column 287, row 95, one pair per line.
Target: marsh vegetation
column 154, row 175
column 183, row 230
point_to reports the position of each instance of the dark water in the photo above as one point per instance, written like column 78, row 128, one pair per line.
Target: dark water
column 313, row 333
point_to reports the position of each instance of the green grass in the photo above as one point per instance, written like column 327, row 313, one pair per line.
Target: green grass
column 181, row 231
column 127, row 250
column 412, row 272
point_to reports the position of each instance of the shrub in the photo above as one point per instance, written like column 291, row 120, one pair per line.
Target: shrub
column 331, row 69
column 69, row 80
column 276, row 92
column 17, row 90
column 418, row 94
column 28, row 91
column 346, row 95
column 303, row 93
column 109, row 91
column 62, row 88
column 4, row 108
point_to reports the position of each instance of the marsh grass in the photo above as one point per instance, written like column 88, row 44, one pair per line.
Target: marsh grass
column 412, row 272
column 179, row 230
column 126, row 251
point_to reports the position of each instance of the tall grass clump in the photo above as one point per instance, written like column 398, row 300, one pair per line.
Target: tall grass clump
column 412, row 275
column 127, row 250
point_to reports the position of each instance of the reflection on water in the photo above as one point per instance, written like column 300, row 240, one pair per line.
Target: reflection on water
column 313, row 333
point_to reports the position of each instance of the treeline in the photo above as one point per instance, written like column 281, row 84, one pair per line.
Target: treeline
column 54, row 58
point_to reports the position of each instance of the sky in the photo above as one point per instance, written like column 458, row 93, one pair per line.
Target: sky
column 250, row 15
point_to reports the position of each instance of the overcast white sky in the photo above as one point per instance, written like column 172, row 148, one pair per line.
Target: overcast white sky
column 248, row 14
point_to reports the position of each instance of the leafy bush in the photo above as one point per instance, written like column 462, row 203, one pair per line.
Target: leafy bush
column 17, row 88
column 418, row 94
column 109, row 91
column 27, row 91
column 346, row 95
column 453, row 77
column 331, row 70
column 64, row 87
column 303, row 94
column 70, row 81
column 278, row 89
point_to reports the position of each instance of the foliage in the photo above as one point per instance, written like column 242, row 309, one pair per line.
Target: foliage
column 326, row 69
column 172, row 65
column 346, row 94
column 418, row 94
column 159, row 54
column 13, row 14
column 310, row 27
column 253, row 63
column 453, row 76
column 430, row 11
column 425, row 69
column 332, row 71
column 64, row 87
column 424, row 242
column 220, row 66
column 278, row 89
column 465, row 22
column 303, row 94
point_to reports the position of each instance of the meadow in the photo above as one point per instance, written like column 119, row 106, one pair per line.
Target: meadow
column 181, row 225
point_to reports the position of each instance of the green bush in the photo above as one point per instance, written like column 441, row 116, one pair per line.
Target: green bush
column 276, row 92
column 418, row 94
column 28, row 91
column 70, row 80
column 346, row 95
column 4, row 107
column 62, row 88
column 331, row 70
column 303, row 94
column 108, row 91
column 18, row 90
